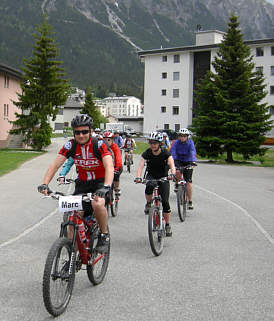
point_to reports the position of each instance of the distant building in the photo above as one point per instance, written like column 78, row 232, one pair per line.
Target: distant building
column 120, row 106
column 10, row 79
column 172, row 74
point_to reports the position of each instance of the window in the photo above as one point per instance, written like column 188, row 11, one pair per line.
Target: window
column 175, row 93
column 6, row 110
column 175, row 110
column 60, row 111
column 176, row 75
column 163, row 109
column 271, row 90
column 272, row 70
column 271, row 110
column 164, row 75
column 163, row 92
column 177, row 127
column 176, row 58
column 6, row 82
column 259, row 51
column 166, row 126
column 66, row 124
column 164, row 58
column 272, row 51
column 261, row 69
column 58, row 126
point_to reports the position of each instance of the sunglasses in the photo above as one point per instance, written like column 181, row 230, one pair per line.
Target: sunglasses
column 153, row 142
column 182, row 135
column 84, row 132
column 108, row 139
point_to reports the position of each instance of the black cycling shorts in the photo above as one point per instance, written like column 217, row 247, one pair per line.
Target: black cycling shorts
column 117, row 176
column 186, row 172
column 82, row 187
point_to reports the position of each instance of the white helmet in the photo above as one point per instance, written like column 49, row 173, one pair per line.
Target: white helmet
column 156, row 136
column 165, row 134
column 184, row 131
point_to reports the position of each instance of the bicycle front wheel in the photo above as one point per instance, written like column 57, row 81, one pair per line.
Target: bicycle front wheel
column 114, row 207
column 57, row 281
column 181, row 203
column 128, row 167
column 155, row 232
column 97, row 268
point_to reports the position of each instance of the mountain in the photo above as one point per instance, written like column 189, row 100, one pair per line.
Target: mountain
column 99, row 39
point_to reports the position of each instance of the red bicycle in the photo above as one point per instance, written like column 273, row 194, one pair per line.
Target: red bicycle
column 63, row 260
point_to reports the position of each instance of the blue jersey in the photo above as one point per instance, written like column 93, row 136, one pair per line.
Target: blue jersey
column 118, row 141
column 184, row 152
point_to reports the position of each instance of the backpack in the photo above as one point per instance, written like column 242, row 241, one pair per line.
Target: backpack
column 95, row 148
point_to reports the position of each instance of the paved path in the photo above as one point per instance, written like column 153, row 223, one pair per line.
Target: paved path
column 218, row 265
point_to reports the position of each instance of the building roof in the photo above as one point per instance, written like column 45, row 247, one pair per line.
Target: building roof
column 198, row 48
column 11, row 71
column 72, row 103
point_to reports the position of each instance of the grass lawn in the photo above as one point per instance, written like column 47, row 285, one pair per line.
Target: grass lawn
column 12, row 159
column 141, row 147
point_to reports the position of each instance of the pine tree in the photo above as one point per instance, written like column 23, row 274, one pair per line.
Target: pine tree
column 230, row 115
column 43, row 90
column 91, row 109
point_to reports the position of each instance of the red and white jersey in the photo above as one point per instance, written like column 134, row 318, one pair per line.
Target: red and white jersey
column 129, row 143
column 88, row 166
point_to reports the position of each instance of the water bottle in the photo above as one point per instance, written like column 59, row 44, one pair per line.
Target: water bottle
column 81, row 231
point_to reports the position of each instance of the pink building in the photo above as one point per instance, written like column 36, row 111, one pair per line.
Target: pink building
column 9, row 87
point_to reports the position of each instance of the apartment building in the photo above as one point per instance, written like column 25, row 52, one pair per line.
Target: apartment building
column 9, row 87
column 172, row 74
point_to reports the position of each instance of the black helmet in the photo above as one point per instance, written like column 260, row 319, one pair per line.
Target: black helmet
column 82, row 120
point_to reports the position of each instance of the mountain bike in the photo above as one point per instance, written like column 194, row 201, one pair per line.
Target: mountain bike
column 63, row 260
column 129, row 160
column 181, row 194
column 156, row 220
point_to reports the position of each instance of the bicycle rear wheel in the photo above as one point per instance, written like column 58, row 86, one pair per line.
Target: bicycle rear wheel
column 155, row 233
column 128, row 166
column 181, row 203
column 97, row 268
column 57, row 282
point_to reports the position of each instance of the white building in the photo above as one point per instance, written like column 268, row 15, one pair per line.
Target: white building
column 171, row 76
column 120, row 106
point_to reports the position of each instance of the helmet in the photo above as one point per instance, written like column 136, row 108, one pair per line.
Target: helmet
column 82, row 120
column 156, row 136
column 97, row 129
column 128, row 135
column 184, row 131
column 165, row 134
column 108, row 135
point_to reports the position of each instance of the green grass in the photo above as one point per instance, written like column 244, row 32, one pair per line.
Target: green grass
column 12, row 159
column 262, row 161
column 141, row 147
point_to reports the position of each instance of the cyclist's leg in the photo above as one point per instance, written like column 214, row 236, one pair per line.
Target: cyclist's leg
column 164, row 190
column 125, row 157
column 188, row 178
column 131, row 156
column 116, row 182
column 148, row 195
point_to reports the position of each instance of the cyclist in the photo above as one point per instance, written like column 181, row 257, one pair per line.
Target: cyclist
column 158, row 161
column 184, row 153
column 94, row 175
column 166, row 142
column 118, row 167
column 128, row 145
column 118, row 140
column 97, row 131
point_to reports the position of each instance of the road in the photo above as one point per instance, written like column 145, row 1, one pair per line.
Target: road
column 218, row 266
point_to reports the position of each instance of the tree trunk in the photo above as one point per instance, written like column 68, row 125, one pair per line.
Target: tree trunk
column 229, row 156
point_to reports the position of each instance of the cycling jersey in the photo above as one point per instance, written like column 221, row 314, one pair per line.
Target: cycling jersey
column 117, row 157
column 87, row 165
column 184, row 152
column 129, row 143
column 157, row 166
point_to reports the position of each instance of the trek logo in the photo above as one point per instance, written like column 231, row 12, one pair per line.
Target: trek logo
column 87, row 162
column 70, row 203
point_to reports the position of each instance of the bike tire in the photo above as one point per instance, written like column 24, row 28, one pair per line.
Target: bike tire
column 156, row 235
column 114, row 207
column 96, row 272
column 59, row 256
column 128, row 168
column 181, row 203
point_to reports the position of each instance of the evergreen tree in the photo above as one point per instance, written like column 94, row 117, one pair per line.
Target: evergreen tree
column 230, row 116
column 43, row 90
column 91, row 109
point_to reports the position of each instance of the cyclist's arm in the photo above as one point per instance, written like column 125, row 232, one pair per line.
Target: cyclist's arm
column 53, row 168
column 140, row 167
column 66, row 167
column 109, row 170
column 171, row 164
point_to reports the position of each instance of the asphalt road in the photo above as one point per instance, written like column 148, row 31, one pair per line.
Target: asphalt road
column 218, row 265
